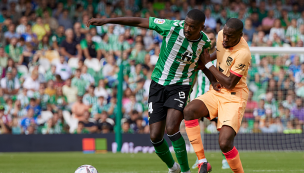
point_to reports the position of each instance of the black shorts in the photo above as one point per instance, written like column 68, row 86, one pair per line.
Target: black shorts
column 163, row 97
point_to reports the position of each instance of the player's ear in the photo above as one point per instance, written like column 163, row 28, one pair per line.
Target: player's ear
column 203, row 27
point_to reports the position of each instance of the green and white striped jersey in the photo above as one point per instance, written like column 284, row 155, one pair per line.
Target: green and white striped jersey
column 203, row 83
column 178, row 56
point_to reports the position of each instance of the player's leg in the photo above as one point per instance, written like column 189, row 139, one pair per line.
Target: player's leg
column 226, row 139
column 192, row 112
column 174, row 118
column 157, row 122
column 161, row 147
column 225, row 164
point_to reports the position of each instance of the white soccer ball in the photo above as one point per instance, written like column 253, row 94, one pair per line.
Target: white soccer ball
column 86, row 169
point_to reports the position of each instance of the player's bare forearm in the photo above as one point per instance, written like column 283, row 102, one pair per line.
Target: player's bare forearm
column 213, row 56
column 209, row 75
column 228, row 82
column 130, row 21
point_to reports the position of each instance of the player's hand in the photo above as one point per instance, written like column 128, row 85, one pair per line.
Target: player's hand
column 200, row 66
column 206, row 57
column 217, row 86
column 96, row 21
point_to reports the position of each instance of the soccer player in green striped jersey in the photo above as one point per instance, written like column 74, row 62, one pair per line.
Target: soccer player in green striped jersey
column 172, row 78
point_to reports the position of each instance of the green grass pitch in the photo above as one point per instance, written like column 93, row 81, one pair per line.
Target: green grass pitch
column 67, row 162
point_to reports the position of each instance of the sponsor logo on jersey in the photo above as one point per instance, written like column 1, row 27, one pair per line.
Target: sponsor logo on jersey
column 220, row 69
column 179, row 39
column 159, row 21
column 199, row 51
column 186, row 57
column 241, row 67
column 229, row 61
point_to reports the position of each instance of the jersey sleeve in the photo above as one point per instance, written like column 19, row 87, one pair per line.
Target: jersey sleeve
column 241, row 64
column 161, row 26
column 207, row 44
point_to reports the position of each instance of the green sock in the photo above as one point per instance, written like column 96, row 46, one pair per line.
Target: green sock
column 163, row 152
column 179, row 146
column 224, row 158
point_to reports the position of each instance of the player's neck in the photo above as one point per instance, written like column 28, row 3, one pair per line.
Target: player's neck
column 198, row 38
column 212, row 50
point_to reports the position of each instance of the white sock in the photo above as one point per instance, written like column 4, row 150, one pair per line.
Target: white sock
column 202, row 160
column 174, row 167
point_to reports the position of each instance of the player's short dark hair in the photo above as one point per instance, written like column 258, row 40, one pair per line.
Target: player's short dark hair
column 235, row 23
column 196, row 15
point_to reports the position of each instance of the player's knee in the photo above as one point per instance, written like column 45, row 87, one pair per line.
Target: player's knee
column 225, row 145
column 189, row 112
column 155, row 137
column 172, row 129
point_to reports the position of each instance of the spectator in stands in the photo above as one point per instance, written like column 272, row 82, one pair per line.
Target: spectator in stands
column 48, row 127
column 268, row 22
column 268, row 128
column 78, row 36
column 105, row 124
column 249, row 29
column 79, row 83
column 251, row 106
column 289, row 102
column 58, row 37
column 33, row 105
column 28, row 120
column 100, row 90
column 31, row 83
column 47, row 19
column 70, row 92
column 295, row 66
column 210, row 21
column 259, row 40
column 29, row 36
column 64, row 19
column 63, row 69
column 90, row 99
column 22, row 26
column 41, row 29
column 256, row 127
column 13, row 50
column 10, row 85
column 87, row 76
column 98, row 107
column 89, row 48
column 133, row 105
column 277, row 29
column 59, row 101
column 69, row 47
column 50, row 89
column 3, row 58
column 255, row 21
column 79, row 108
column 81, row 129
column 126, row 127
column 11, row 33
column 244, row 128
column 292, row 32
column 89, row 124
column 16, row 129
column 277, row 125
column 298, row 110
column 294, row 14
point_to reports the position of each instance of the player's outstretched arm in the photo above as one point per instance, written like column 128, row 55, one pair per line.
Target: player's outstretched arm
column 130, row 21
column 228, row 82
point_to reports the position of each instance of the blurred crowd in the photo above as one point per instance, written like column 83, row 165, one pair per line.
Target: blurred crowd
column 59, row 76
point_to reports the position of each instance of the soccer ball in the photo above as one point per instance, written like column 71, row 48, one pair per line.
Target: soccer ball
column 86, row 169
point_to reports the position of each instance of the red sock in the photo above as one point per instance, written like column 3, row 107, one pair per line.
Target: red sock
column 234, row 161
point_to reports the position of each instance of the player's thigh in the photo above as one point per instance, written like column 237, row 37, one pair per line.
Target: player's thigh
column 226, row 138
column 156, row 109
column 173, row 120
column 231, row 111
column 195, row 110
column 205, row 105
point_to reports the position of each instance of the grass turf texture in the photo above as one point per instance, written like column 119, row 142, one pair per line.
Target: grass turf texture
column 68, row 162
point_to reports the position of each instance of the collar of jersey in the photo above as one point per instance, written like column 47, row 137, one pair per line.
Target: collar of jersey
column 199, row 39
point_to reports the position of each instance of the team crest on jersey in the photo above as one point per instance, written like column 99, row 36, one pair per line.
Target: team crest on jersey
column 159, row 21
column 186, row 57
column 229, row 61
